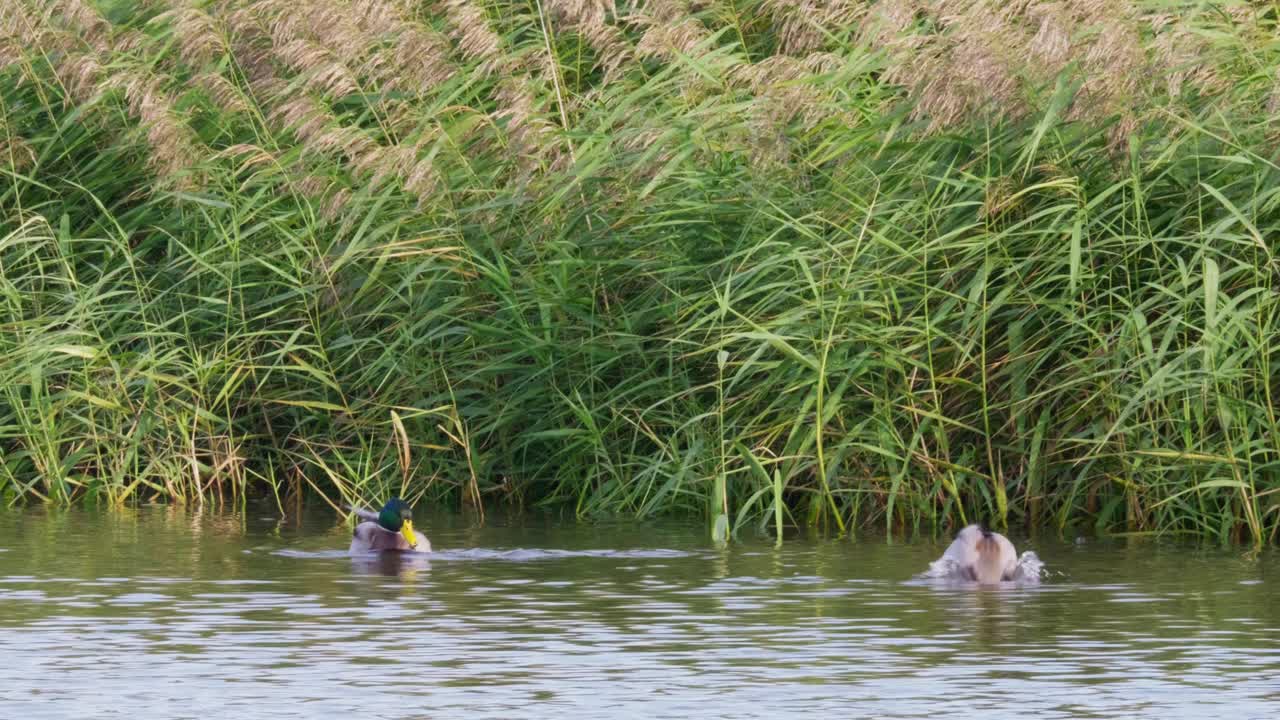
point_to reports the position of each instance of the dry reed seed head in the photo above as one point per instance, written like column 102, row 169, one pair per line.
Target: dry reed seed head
column 83, row 16
column 381, row 164
column 334, row 204
column 343, row 141
column 784, row 92
column 316, row 40
column 422, row 60
column 252, row 157
column 887, row 23
column 81, row 74
column 515, row 104
column 375, row 159
column 995, row 52
column 321, row 72
column 1114, row 66
column 11, row 51
column 380, row 16
column 643, row 140
column 402, row 118
column 244, row 22
column 200, row 37
column 422, row 180
column 590, row 20
column 282, row 21
column 1119, row 134
column 583, row 11
column 224, row 93
column 1187, row 57
column 301, row 114
column 129, row 41
column 665, row 39
column 663, row 11
column 312, row 186
column 346, row 36
column 174, row 149
column 11, row 14
column 266, row 85
column 469, row 27
column 1246, row 14
column 1051, row 45
column 415, row 60
column 416, row 51
column 612, row 48
column 803, row 26
column 16, row 152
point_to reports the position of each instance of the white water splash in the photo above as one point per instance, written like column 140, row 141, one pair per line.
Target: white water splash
column 1028, row 571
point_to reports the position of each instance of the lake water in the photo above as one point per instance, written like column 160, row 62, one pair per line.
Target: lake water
column 162, row 613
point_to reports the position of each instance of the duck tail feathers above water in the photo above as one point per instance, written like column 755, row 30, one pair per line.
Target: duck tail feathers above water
column 362, row 513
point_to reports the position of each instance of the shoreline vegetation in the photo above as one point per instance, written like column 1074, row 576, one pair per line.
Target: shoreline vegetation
column 777, row 262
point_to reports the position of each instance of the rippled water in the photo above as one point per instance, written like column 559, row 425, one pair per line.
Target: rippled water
column 162, row 612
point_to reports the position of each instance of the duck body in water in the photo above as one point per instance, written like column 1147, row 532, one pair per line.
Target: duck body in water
column 388, row 529
column 981, row 556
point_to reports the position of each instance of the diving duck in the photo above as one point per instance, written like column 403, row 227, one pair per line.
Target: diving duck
column 389, row 529
column 983, row 556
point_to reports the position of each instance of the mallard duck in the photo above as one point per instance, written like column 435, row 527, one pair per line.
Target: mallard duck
column 389, row 529
column 983, row 556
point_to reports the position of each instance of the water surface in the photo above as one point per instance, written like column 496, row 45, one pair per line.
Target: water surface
column 173, row 614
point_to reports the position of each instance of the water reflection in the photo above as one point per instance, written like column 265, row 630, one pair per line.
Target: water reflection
column 404, row 565
column 162, row 612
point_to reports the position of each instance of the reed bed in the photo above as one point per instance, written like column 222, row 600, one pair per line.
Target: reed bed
column 776, row 262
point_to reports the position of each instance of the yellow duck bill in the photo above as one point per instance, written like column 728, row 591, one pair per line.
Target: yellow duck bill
column 407, row 531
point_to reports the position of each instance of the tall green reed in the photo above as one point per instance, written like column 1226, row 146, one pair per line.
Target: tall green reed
column 643, row 262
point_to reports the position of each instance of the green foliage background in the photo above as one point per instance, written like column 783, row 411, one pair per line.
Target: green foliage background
column 779, row 263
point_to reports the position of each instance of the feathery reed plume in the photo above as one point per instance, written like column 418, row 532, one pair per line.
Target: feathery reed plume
column 318, row 129
column 200, row 37
column 224, row 93
column 81, row 75
column 12, row 24
column 315, row 126
column 94, row 29
column 321, row 71
column 671, row 28
column 786, row 89
column 590, row 20
column 1185, row 55
column 251, row 157
column 417, row 62
column 291, row 30
column 515, row 105
column 10, row 49
column 15, row 153
column 470, row 28
column 79, row 51
column 174, row 149
column 375, row 41
column 803, row 25
column 515, row 101
column 128, row 40
column 961, row 59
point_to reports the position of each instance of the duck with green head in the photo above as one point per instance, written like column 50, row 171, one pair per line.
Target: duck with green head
column 389, row 529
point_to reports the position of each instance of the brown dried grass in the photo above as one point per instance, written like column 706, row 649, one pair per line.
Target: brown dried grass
column 965, row 59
